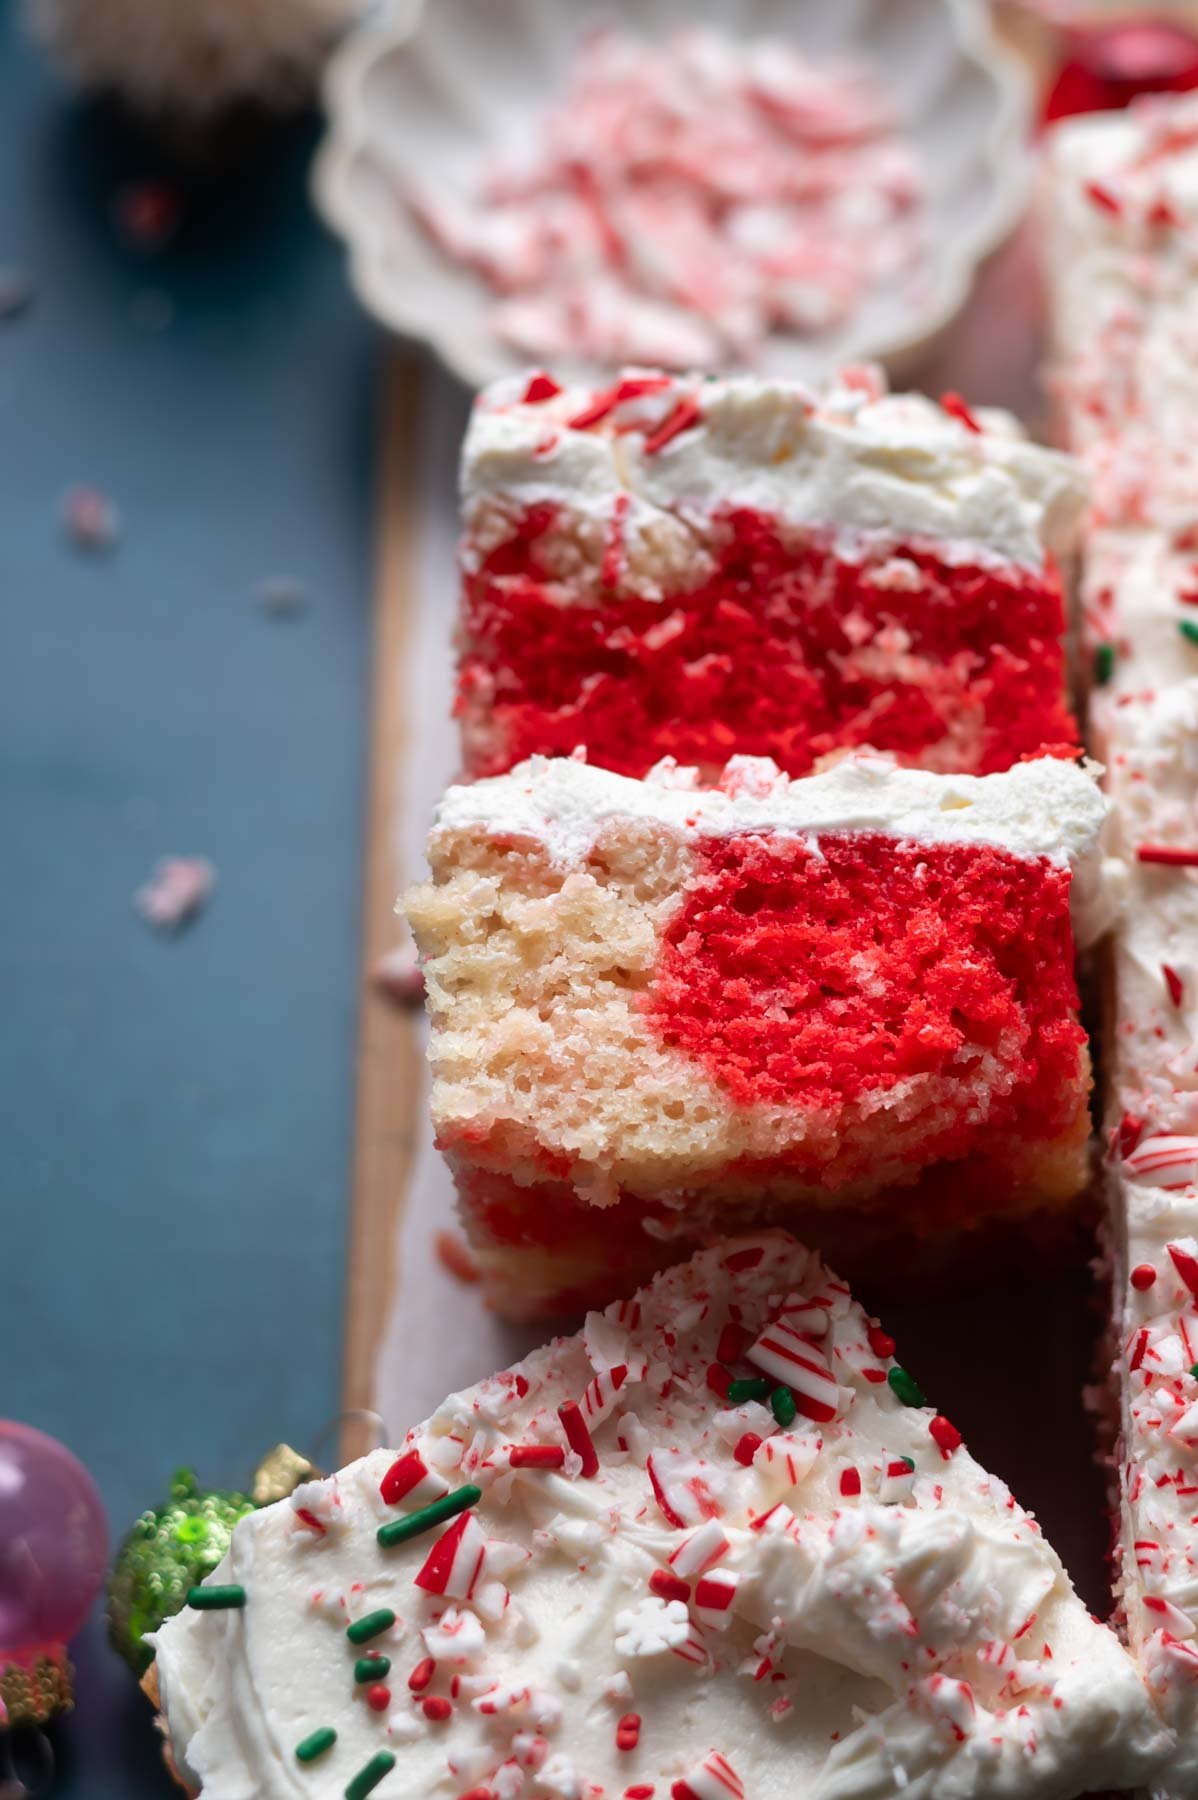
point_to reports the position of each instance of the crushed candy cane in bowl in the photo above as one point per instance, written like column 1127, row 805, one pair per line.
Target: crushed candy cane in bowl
column 537, row 181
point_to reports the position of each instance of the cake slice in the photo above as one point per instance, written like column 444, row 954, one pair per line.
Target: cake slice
column 1120, row 204
column 844, row 1003
column 715, row 1547
column 1152, row 743
column 689, row 567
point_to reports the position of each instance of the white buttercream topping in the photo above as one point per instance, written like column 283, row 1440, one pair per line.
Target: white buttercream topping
column 1045, row 808
column 852, row 461
column 1157, row 1350
column 838, row 1632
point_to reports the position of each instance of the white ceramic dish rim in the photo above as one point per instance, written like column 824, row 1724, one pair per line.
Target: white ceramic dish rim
column 1005, row 151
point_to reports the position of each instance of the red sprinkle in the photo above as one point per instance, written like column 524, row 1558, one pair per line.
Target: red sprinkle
column 1174, row 984
column 1169, row 854
column 732, row 1343
column 880, row 1342
column 1143, row 1276
column 669, row 1587
column 436, row 1708
column 540, row 387
column 628, row 1732
column 956, row 408
column 718, row 1380
column 945, row 1434
column 421, row 1675
column 747, row 1448
column 850, row 1483
column 685, row 415
column 1103, row 197
column 378, row 1697
column 537, row 1456
column 577, row 1436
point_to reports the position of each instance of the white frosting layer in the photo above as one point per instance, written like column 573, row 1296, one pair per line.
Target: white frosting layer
column 1152, row 747
column 887, row 1629
column 1046, row 808
column 1157, row 1349
column 1121, row 199
column 850, row 461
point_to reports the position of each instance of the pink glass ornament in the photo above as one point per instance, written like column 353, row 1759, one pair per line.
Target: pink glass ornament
column 53, row 1551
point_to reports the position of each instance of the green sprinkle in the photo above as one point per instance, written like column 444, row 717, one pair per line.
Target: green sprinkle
column 782, row 1405
column 904, row 1387
column 372, row 1668
column 752, row 1387
column 214, row 1599
column 316, row 1744
column 362, row 1630
column 418, row 1522
column 1104, row 663
column 1188, row 630
column 1194, row 1371
column 910, row 1462
column 367, row 1779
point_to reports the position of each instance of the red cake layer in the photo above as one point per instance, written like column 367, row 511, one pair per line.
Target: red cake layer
column 811, row 976
column 787, row 651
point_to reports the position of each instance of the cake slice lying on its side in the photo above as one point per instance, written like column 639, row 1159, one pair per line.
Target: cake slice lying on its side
column 699, row 567
column 845, row 1004
column 715, row 1547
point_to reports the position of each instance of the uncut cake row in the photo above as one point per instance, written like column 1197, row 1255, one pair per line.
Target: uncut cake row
column 1122, row 194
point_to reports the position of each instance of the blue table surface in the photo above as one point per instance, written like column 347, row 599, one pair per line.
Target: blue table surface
column 175, row 1114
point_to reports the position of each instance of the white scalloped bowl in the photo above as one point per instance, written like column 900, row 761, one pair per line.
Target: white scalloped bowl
column 439, row 84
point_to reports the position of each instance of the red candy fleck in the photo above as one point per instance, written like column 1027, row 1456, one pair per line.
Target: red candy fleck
column 628, row 1732
column 436, row 1708
column 1103, row 198
column 718, row 1380
column 310, row 1520
column 669, row 1587
column 1186, row 1266
column 540, row 387
column 421, row 1675
column 1173, row 983
column 850, row 1483
column 956, row 408
column 743, row 1259
column 642, row 1791
column 378, row 1697
column 685, row 415
column 945, row 1435
column 747, row 1448
column 732, row 1343
column 1128, row 1133
column 880, row 1342
column 1143, row 1276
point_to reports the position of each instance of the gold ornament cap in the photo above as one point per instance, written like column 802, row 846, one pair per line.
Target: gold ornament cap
column 279, row 1473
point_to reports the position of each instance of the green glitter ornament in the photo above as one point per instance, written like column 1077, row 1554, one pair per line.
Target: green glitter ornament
column 169, row 1550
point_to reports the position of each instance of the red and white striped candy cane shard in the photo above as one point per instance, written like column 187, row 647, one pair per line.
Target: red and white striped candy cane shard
column 785, row 1460
column 898, row 1480
column 601, row 1394
column 700, row 1550
column 1184, row 1257
column 1164, row 1614
column 411, row 1479
column 713, row 1597
column 810, row 1316
column 1164, row 1162
column 680, row 1487
column 712, row 1779
column 791, row 1359
column 456, row 1560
